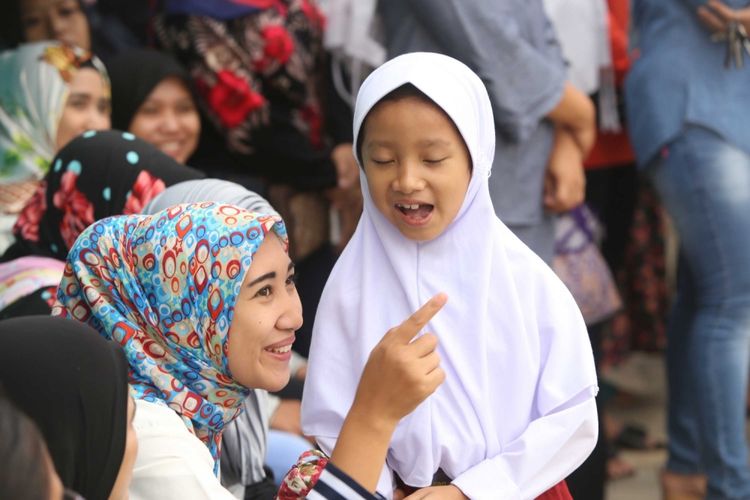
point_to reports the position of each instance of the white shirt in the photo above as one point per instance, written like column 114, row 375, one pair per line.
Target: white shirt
column 172, row 463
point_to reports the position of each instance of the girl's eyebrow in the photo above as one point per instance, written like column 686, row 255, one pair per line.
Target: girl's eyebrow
column 376, row 143
column 267, row 276
column 434, row 142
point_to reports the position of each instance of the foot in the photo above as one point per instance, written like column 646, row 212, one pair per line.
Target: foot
column 619, row 468
column 683, row 486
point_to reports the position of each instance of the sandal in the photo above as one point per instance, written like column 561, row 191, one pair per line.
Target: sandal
column 634, row 437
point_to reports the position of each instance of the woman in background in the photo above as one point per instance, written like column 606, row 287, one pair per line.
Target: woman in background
column 152, row 98
column 49, row 93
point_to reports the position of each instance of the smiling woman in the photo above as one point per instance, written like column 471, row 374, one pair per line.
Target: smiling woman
column 200, row 296
column 152, row 98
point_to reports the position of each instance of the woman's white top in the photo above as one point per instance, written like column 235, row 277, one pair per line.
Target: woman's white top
column 172, row 463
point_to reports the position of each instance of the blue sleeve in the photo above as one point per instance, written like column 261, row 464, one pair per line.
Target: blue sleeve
column 524, row 80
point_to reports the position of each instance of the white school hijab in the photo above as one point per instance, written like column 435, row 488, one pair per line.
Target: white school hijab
column 516, row 412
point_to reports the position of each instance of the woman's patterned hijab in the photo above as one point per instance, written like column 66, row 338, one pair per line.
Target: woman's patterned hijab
column 34, row 82
column 164, row 286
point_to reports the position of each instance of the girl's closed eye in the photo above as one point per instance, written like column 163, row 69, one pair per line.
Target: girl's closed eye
column 435, row 161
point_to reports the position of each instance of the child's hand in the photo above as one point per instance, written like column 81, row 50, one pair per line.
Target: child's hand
column 449, row 492
column 400, row 374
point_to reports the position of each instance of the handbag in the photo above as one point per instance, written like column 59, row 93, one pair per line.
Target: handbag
column 580, row 265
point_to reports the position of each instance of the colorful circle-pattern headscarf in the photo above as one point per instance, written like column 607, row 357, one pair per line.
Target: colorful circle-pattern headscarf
column 34, row 80
column 164, row 286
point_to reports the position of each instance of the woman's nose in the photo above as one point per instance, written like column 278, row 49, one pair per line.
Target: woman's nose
column 291, row 319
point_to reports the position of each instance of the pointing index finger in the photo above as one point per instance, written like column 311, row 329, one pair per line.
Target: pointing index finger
column 414, row 323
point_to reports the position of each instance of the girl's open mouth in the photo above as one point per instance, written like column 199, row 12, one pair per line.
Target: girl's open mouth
column 415, row 214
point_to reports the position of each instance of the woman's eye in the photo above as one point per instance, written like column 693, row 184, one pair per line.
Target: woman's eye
column 79, row 104
column 378, row 161
column 186, row 108
column 104, row 106
column 291, row 280
column 264, row 292
column 149, row 110
column 434, row 161
column 68, row 9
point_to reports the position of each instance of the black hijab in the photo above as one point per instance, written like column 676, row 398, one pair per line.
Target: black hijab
column 74, row 385
column 133, row 75
column 96, row 175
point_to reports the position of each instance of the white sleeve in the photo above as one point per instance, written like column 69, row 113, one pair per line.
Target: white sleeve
column 172, row 464
column 551, row 447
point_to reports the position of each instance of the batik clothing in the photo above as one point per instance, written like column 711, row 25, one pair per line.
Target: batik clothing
column 257, row 75
column 96, row 175
column 34, row 82
column 511, row 407
column 74, row 385
column 164, row 286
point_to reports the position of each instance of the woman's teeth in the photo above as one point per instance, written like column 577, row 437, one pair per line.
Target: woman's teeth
column 280, row 350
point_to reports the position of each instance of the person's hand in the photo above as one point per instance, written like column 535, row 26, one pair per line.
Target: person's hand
column 716, row 16
column 398, row 376
column 564, row 181
column 576, row 113
column 402, row 373
column 448, row 492
column 347, row 170
column 287, row 417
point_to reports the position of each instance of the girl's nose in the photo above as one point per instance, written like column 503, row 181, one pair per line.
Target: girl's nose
column 408, row 180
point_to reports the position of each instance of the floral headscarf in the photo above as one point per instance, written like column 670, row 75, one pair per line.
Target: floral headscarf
column 254, row 70
column 94, row 176
column 164, row 286
column 34, row 81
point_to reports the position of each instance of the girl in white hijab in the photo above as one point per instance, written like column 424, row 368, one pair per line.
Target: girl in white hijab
column 516, row 412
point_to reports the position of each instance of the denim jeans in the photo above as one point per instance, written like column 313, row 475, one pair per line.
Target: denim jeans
column 704, row 183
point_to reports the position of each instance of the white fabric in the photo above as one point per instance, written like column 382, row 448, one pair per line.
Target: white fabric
column 516, row 413
column 353, row 39
column 172, row 464
column 581, row 27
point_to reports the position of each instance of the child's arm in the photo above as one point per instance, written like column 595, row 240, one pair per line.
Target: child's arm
column 398, row 376
column 550, row 448
column 563, row 428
